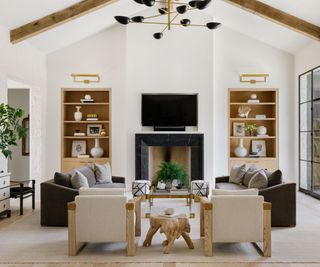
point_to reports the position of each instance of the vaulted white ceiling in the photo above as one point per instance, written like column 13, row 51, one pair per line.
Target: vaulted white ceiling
column 14, row 13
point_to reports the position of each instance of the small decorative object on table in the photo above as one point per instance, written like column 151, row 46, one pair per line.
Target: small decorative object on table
column 251, row 129
column 253, row 99
column 78, row 147
column 244, row 111
column 261, row 131
column 200, row 188
column 169, row 211
column 78, row 133
column 259, row 146
column 87, row 99
column 238, row 129
column 140, row 187
column 96, row 151
column 240, row 151
column 78, row 114
column 103, row 132
column 94, row 129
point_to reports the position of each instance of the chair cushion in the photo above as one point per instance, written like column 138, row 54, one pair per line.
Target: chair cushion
column 230, row 186
column 102, row 191
column 241, row 192
column 110, row 185
column 249, row 174
column 78, row 180
column 88, row 172
column 259, row 180
column 103, row 173
column 62, row 179
column 237, row 174
column 274, row 178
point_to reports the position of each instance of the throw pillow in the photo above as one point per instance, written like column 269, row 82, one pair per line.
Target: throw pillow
column 259, row 180
column 274, row 178
column 62, row 179
column 78, row 180
column 245, row 192
column 237, row 173
column 102, row 191
column 103, row 173
column 88, row 172
column 249, row 174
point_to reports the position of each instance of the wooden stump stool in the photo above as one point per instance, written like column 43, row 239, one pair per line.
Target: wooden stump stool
column 172, row 227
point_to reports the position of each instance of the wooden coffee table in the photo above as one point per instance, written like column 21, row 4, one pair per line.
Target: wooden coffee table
column 173, row 227
column 188, row 196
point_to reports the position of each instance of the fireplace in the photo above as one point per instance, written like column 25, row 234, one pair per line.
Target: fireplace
column 152, row 149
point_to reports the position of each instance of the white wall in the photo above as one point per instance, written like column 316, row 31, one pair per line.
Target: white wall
column 18, row 166
column 23, row 63
column 235, row 53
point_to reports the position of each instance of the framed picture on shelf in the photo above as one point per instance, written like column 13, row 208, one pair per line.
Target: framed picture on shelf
column 94, row 129
column 259, row 146
column 238, row 129
column 79, row 147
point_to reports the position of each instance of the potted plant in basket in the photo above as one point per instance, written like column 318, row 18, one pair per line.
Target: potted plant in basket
column 170, row 171
column 10, row 128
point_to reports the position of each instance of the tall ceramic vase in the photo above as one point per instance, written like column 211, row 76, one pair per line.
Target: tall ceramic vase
column 78, row 114
column 240, row 151
column 96, row 151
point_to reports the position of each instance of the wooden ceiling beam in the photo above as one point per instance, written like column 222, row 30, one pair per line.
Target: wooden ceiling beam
column 278, row 16
column 55, row 19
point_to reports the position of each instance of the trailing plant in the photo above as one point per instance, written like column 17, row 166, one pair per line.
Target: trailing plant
column 169, row 171
column 10, row 128
column 251, row 129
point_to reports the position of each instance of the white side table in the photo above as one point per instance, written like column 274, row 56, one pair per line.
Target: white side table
column 200, row 188
column 5, row 194
column 140, row 187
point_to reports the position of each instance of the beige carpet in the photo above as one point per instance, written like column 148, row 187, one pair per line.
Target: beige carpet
column 24, row 240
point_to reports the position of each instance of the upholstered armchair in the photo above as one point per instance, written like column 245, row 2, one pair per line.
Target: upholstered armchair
column 235, row 219
column 103, row 218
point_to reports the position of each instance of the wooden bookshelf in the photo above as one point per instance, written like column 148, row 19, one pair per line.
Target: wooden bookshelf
column 70, row 98
column 268, row 106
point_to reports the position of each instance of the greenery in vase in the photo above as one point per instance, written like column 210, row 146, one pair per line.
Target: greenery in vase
column 169, row 171
column 251, row 129
column 10, row 128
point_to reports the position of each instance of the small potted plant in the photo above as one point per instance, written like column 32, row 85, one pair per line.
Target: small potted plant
column 169, row 171
column 251, row 129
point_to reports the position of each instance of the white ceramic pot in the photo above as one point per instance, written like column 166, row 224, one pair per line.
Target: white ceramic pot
column 262, row 130
column 78, row 114
column 87, row 97
column 240, row 151
column 96, row 151
column 253, row 96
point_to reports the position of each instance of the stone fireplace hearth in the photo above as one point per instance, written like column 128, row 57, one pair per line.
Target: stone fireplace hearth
column 153, row 148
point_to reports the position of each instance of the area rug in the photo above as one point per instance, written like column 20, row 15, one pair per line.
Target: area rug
column 25, row 241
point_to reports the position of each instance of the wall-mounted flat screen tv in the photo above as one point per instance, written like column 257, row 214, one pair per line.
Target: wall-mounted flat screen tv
column 169, row 109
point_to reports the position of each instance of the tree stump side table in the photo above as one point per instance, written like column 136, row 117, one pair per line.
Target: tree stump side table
column 172, row 227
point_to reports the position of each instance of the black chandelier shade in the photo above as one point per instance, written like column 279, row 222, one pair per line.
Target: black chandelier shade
column 171, row 13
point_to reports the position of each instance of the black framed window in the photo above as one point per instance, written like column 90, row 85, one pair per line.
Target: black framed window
column 309, row 132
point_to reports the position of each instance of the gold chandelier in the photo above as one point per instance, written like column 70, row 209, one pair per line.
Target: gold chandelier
column 172, row 9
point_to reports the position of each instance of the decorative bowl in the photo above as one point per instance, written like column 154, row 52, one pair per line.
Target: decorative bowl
column 169, row 211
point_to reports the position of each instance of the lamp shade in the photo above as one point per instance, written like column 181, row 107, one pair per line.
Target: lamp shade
column 213, row 25
column 149, row 2
column 158, row 35
column 202, row 4
column 185, row 22
column 137, row 19
column 193, row 3
column 182, row 9
column 163, row 10
column 122, row 20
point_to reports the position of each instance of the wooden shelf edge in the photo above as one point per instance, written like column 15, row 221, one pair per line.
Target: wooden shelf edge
column 254, row 104
column 86, row 121
column 252, row 119
column 252, row 137
column 86, row 104
column 247, row 158
column 83, row 159
column 86, row 137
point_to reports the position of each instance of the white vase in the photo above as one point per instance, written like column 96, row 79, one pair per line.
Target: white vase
column 262, row 130
column 78, row 114
column 240, row 151
column 96, row 151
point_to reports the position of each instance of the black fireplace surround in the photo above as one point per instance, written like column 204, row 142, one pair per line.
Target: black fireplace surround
column 194, row 141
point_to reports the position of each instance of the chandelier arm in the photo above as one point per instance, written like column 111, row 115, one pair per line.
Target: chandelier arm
column 160, row 15
column 172, row 2
column 174, row 24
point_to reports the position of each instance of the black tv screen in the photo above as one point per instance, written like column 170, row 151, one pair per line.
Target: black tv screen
column 169, row 110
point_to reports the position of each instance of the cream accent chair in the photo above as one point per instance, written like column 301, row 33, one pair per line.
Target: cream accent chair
column 103, row 215
column 235, row 218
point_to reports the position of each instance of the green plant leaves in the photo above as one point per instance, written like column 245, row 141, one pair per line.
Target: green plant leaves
column 169, row 171
column 10, row 128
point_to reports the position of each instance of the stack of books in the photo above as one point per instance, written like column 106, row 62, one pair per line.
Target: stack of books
column 87, row 100
column 83, row 156
column 79, row 134
column 261, row 116
column 253, row 101
column 179, row 191
column 92, row 117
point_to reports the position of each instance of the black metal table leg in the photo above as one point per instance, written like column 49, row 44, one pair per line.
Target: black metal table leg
column 21, row 199
column 33, row 194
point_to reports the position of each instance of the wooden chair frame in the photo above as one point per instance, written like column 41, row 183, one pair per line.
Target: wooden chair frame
column 133, row 229
column 206, row 223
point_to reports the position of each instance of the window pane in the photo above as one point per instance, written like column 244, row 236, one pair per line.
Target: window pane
column 316, row 149
column 305, row 117
column 305, row 87
column 316, row 177
column 316, row 83
column 305, row 175
column 305, row 146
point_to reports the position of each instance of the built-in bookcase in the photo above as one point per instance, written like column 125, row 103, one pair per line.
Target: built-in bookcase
column 268, row 106
column 102, row 107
